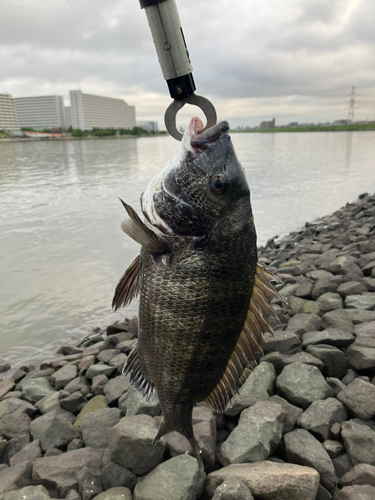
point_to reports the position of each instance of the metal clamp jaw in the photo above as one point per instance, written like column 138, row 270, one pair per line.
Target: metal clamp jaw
column 166, row 30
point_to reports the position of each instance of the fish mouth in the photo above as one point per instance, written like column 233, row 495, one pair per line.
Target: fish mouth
column 198, row 140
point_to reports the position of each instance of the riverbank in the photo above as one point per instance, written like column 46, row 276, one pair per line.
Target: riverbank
column 302, row 425
column 318, row 128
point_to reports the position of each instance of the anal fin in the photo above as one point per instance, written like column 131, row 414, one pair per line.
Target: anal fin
column 242, row 360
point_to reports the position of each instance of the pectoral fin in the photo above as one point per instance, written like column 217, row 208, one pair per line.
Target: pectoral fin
column 127, row 288
column 142, row 234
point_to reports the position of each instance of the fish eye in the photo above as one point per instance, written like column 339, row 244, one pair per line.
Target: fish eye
column 218, row 184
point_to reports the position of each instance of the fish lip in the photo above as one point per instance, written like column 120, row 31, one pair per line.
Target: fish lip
column 197, row 140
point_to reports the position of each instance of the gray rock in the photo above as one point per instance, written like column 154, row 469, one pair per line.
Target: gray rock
column 334, row 360
column 106, row 355
column 119, row 360
column 321, row 415
column 29, row 453
column 359, row 398
column 137, row 404
column 115, row 388
column 351, row 288
column 98, row 384
column 359, row 316
column 302, row 323
column 29, row 493
column 330, row 336
column 292, row 412
column 304, row 289
column 232, row 489
column 256, row 436
column 322, row 286
column 16, row 406
column 363, row 492
column 62, row 377
column 74, row 402
column 75, row 444
column 35, row 389
column 113, row 340
column 14, row 478
column 303, row 357
column 176, row 479
column 89, row 483
column 12, row 426
column 329, row 301
column 6, row 385
column 114, row 475
column 303, row 449
column 118, row 493
column 38, row 373
column 205, row 435
column 339, row 319
column 274, row 358
column 13, row 446
column 298, row 305
column 86, row 362
column 361, row 354
column 100, row 369
column 259, row 386
column 365, row 301
column 48, row 403
column 342, row 464
column 359, row 474
column 359, row 442
column 285, row 342
column 78, row 384
column 301, row 384
column 95, row 404
column 54, row 430
column 333, row 448
column 345, row 264
column 52, row 452
column 269, row 480
column 365, row 329
column 323, row 494
column 95, row 425
column 336, row 384
column 130, row 443
column 60, row 473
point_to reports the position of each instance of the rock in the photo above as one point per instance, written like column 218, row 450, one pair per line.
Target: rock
column 365, row 301
column 359, row 398
column 178, row 444
column 330, row 336
column 137, row 404
column 74, row 402
column 178, row 478
column 334, row 360
column 75, row 444
column 359, row 474
column 274, row 358
column 299, row 305
column 3, row 443
column 6, row 385
column 339, row 319
column 107, row 354
column 78, row 384
column 363, row 492
column 292, row 412
column 118, row 361
column 351, row 288
column 15, row 426
column 333, row 448
column 38, row 373
column 48, row 403
column 98, row 384
column 321, row 415
column 304, row 289
column 60, row 473
column 329, row 301
column 130, row 443
column 52, row 452
column 256, row 436
column 113, row 340
column 232, row 489
column 96, row 403
column 86, row 362
column 119, row 493
column 359, row 316
column 342, row 464
column 62, row 377
column 15, row 407
column 14, row 478
column 115, row 388
column 361, row 354
column 303, row 357
column 94, row 426
column 303, row 449
column 359, row 442
column 14, row 446
column 53, row 430
column 345, row 264
column 29, row 453
column 89, row 483
column 114, row 475
column 336, row 384
column 35, row 389
column 100, row 369
column 365, row 330
column 302, row 323
column 29, row 493
column 322, row 286
column 269, row 480
column 285, row 342
column 323, row 494
column 301, row 384
column 205, row 435
column 259, row 386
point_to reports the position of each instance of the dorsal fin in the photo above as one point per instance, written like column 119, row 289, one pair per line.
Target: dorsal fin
column 242, row 360
column 137, row 378
column 127, row 288
column 138, row 230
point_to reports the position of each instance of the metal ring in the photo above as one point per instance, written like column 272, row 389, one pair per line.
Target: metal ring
column 196, row 100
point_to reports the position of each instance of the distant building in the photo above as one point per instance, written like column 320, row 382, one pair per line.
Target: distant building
column 269, row 124
column 68, row 116
column 149, row 126
column 292, row 124
column 91, row 111
column 8, row 118
column 40, row 112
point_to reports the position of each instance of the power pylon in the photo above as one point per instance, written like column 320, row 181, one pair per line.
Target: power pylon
column 351, row 105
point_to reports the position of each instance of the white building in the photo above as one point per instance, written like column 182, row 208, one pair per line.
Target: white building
column 8, row 119
column 40, row 112
column 149, row 126
column 68, row 116
column 91, row 111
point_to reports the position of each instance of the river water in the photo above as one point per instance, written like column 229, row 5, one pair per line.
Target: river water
column 62, row 250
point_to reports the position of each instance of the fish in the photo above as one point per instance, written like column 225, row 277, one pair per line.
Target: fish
column 205, row 300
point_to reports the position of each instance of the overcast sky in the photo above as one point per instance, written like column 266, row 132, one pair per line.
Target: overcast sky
column 295, row 60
